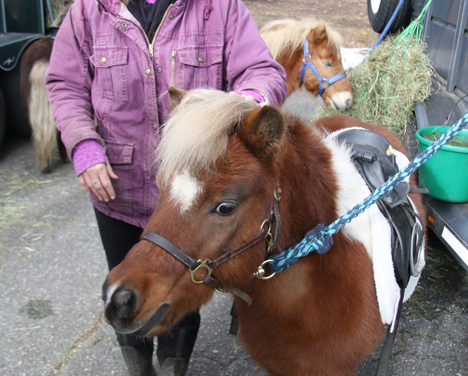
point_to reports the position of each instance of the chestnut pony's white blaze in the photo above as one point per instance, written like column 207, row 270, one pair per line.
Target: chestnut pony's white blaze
column 185, row 190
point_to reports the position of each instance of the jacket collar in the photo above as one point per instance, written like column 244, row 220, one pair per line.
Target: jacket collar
column 111, row 6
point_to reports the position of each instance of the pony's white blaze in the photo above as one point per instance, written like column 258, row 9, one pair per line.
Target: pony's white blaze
column 185, row 190
column 342, row 101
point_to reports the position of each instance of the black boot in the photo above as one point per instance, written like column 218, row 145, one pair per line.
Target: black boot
column 138, row 354
column 138, row 363
column 175, row 346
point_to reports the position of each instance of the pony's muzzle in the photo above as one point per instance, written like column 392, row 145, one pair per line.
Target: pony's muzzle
column 342, row 101
column 121, row 304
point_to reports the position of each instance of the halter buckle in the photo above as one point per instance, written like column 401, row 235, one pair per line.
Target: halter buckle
column 203, row 264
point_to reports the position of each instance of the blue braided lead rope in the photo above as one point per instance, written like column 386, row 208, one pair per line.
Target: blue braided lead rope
column 320, row 238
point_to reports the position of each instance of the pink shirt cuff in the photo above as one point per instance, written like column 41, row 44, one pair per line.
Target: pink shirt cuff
column 86, row 154
column 254, row 94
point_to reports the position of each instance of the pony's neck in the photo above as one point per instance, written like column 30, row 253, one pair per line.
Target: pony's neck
column 308, row 183
column 291, row 61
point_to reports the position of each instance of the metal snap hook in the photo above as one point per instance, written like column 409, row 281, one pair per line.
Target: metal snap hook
column 261, row 272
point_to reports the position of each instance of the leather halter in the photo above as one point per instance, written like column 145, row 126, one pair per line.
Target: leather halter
column 209, row 265
column 324, row 83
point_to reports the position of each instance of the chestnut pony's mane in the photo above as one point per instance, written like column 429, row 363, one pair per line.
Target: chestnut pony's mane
column 185, row 146
column 293, row 33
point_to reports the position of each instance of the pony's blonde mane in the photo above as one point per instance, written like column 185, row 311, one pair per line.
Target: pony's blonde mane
column 289, row 34
column 197, row 132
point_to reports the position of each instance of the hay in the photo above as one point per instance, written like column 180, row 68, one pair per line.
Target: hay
column 387, row 85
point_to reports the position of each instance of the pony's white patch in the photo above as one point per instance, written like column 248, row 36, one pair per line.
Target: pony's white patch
column 370, row 228
column 110, row 292
column 342, row 100
column 185, row 190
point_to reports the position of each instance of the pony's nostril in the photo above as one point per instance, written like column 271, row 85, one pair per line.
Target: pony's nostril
column 125, row 303
column 122, row 297
column 349, row 102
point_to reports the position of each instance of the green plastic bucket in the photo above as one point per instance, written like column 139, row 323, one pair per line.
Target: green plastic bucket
column 445, row 174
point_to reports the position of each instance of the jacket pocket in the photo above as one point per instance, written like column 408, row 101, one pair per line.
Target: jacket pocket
column 119, row 152
column 200, row 66
column 120, row 155
column 111, row 72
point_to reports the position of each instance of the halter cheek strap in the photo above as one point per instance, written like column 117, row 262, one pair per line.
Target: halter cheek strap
column 200, row 270
column 323, row 82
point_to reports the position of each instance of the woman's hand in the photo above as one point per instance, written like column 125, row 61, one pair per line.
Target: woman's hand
column 97, row 180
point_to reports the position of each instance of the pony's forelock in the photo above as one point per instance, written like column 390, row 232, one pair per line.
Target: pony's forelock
column 197, row 132
column 294, row 34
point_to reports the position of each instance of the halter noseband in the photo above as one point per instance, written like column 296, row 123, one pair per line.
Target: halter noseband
column 209, row 265
column 306, row 62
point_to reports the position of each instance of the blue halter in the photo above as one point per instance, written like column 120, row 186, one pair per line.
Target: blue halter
column 306, row 62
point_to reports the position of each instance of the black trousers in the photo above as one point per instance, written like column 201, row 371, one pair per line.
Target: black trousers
column 118, row 238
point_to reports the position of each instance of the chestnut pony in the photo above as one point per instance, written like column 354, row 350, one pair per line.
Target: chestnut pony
column 309, row 51
column 224, row 162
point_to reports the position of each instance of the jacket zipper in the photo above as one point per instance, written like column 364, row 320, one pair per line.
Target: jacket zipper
column 150, row 44
column 156, row 32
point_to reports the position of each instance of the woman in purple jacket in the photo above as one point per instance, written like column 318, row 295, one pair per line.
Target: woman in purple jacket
column 111, row 66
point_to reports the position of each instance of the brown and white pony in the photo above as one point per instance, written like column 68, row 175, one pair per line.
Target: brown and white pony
column 33, row 67
column 222, row 159
column 285, row 38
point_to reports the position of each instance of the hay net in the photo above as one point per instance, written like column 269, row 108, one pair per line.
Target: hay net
column 391, row 80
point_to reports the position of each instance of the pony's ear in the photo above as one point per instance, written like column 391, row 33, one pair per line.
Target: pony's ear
column 175, row 97
column 262, row 132
column 319, row 33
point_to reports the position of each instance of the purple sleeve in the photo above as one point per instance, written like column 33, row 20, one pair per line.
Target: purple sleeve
column 69, row 93
column 86, row 154
column 250, row 65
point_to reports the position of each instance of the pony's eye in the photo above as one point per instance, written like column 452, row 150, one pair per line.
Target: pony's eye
column 226, row 208
column 327, row 63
